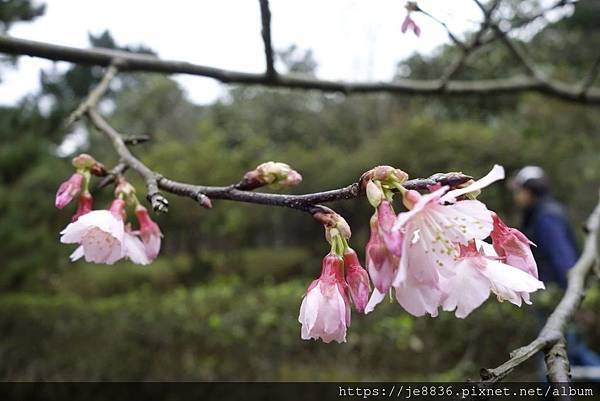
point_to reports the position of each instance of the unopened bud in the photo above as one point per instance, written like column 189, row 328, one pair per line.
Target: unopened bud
column 268, row 173
column 411, row 6
column 124, row 188
column 83, row 161
column 374, row 193
column 386, row 175
column 334, row 223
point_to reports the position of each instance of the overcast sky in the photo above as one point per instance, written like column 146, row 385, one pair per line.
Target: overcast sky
column 351, row 40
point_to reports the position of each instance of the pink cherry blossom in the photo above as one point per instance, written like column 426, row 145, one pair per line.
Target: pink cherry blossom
column 476, row 275
column 436, row 225
column 429, row 235
column 325, row 309
column 100, row 235
column 149, row 232
column 84, row 206
column 512, row 245
column 103, row 237
column 68, row 190
column 357, row 279
column 410, row 24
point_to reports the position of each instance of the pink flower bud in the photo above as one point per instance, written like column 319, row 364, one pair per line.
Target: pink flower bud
column 83, row 161
column 149, row 232
column 374, row 193
column 292, row 179
column 124, row 188
column 357, row 279
column 270, row 173
column 393, row 240
column 68, row 190
column 381, row 263
column 325, row 309
column 85, row 205
column 512, row 245
column 117, row 208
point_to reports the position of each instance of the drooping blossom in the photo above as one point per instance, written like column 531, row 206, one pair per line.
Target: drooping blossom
column 381, row 263
column 68, row 190
column 325, row 309
column 149, row 232
column 103, row 237
column 512, row 245
column 386, row 218
column 476, row 275
column 84, row 206
column 410, row 24
column 357, row 279
column 100, row 236
column 133, row 247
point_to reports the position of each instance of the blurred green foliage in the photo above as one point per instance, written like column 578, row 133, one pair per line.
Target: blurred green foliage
column 221, row 301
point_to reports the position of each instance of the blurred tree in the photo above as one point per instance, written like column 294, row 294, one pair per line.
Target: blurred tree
column 13, row 11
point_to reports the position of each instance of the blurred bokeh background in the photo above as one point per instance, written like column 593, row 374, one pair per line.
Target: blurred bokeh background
column 222, row 300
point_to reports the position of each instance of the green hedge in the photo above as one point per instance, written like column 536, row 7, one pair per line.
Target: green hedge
column 228, row 330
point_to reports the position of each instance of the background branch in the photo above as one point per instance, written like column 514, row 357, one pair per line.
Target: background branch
column 129, row 61
column 265, row 17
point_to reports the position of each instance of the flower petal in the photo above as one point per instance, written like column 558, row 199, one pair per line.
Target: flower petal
column 497, row 173
column 134, row 249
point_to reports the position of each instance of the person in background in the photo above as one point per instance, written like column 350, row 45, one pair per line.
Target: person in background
column 545, row 222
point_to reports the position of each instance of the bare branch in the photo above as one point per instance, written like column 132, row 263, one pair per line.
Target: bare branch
column 551, row 338
column 142, row 62
column 135, row 139
column 158, row 201
column 203, row 194
column 451, row 35
column 116, row 171
column 265, row 16
column 94, row 96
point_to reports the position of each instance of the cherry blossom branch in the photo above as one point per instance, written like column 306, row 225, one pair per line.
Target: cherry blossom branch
column 236, row 192
column 550, row 339
column 306, row 202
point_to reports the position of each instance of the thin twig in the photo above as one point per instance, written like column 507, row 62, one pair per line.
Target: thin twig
column 158, row 201
column 265, row 16
column 552, row 334
column 307, row 202
column 94, row 96
column 451, row 35
column 116, row 171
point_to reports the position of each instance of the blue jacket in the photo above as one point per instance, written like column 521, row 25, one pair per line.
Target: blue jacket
column 546, row 224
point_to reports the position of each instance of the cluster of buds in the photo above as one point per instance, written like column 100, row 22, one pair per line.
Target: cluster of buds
column 105, row 236
column 78, row 184
column 325, row 310
column 271, row 173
